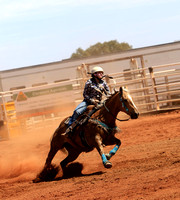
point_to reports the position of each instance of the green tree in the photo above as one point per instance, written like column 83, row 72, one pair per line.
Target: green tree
column 98, row 49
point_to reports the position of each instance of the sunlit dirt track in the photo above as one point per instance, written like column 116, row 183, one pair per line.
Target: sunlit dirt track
column 147, row 165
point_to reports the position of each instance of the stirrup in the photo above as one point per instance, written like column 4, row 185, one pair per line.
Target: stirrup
column 67, row 121
column 69, row 129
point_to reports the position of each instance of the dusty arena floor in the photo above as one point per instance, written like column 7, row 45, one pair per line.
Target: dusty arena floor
column 147, row 165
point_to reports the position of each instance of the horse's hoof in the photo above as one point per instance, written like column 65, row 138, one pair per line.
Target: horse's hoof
column 37, row 180
column 108, row 165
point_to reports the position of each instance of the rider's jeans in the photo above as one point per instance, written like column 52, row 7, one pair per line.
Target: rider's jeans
column 78, row 111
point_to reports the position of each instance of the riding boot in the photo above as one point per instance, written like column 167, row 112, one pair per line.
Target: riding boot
column 70, row 124
column 70, row 129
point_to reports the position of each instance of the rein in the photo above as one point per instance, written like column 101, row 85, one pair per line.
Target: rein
column 123, row 104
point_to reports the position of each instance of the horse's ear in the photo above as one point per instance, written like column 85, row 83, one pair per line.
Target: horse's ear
column 115, row 90
column 121, row 91
column 125, row 87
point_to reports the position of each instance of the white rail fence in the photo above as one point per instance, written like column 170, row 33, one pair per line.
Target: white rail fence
column 153, row 89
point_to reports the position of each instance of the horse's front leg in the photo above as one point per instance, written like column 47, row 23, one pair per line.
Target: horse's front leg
column 99, row 147
column 114, row 150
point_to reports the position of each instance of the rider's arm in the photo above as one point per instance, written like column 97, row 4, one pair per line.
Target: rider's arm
column 86, row 93
column 91, row 93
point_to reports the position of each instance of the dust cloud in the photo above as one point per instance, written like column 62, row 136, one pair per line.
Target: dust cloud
column 21, row 158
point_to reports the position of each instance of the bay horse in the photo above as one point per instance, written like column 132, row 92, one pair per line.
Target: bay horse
column 99, row 130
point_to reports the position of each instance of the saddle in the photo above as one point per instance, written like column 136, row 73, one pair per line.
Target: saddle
column 82, row 119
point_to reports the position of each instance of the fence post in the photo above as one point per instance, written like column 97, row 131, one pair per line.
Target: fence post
column 144, row 82
column 167, row 88
column 154, row 87
column 6, row 117
column 108, row 82
column 82, row 69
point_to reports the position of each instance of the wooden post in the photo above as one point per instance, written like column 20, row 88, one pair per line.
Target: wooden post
column 5, row 116
column 108, row 82
column 167, row 88
column 82, row 69
column 154, row 87
column 144, row 82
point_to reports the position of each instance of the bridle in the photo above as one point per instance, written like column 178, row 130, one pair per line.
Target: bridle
column 123, row 105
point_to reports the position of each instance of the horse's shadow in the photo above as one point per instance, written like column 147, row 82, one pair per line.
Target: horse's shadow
column 72, row 170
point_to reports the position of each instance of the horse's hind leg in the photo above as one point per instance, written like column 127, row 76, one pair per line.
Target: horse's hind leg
column 46, row 172
column 72, row 155
column 50, row 156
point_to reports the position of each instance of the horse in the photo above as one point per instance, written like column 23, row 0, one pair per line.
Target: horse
column 98, row 131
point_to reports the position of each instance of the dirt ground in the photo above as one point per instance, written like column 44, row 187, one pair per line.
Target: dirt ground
column 147, row 165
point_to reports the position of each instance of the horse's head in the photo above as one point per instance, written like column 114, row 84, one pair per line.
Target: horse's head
column 127, row 103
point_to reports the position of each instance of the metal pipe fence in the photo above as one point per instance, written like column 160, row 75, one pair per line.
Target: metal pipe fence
column 153, row 89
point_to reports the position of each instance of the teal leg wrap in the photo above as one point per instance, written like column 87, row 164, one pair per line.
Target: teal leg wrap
column 104, row 159
column 113, row 151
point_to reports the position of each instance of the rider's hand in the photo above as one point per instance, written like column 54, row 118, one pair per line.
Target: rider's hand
column 95, row 102
column 108, row 96
column 99, row 105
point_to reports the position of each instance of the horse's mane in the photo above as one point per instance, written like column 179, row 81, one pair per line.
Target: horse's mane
column 115, row 92
column 110, row 96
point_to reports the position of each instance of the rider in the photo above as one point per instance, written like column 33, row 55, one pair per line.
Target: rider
column 93, row 90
